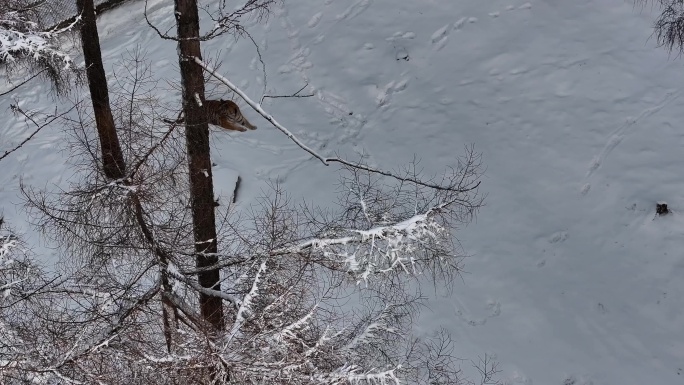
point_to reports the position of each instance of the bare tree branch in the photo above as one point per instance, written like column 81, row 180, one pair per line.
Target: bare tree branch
column 39, row 127
column 669, row 25
column 23, row 82
column 294, row 95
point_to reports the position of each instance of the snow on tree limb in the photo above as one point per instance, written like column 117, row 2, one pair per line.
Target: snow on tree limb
column 257, row 108
column 325, row 160
column 380, row 249
column 7, row 243
column 246, row 303
column 371, row 331
column 295, row 313
column 21, row 38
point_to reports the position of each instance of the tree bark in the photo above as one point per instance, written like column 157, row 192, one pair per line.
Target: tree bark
column 112, row 157
column 199, row 160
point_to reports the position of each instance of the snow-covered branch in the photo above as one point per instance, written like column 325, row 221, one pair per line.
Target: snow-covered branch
column 294, row 311
column 380, row 249
column 246, row 304
column 326, row 160
column 21, row 38
column 373, row 331
column 257, row 107
column 7, row 243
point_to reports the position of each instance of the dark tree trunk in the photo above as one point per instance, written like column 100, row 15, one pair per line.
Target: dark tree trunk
column 197, row 141
column 112, row 157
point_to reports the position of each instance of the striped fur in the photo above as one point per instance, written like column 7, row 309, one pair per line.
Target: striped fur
column 226, row 114
column 223, row 113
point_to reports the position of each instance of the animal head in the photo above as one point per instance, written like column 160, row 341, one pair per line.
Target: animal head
column 232, row 113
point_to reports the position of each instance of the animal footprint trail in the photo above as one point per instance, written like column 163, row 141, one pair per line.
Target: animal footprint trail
column 440, row 36
column 493, row 309
column 315, row 19
column 459, row 23
column 557, row 237
column 336, row 107
column 386, row 92
column 354, row 10
column 334, row 104
column 341, row 114
column 401, row 35
column 619, row 134
column 280, row 172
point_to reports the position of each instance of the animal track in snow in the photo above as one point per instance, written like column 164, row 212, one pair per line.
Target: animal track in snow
column 440, row 36
column 315, row 19
column 518, row 378
column 281, row 171
column 459, row 23
column 494, row 310
column 349, row 124
column 527, row 5
column 386, row 92
column 336, row 107
column 402, row 35
column 354, row 10
column 559, row 237
column 572, row 380
column 618, row 135
column 585, row 189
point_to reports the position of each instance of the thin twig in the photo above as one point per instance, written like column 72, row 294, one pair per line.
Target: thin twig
column 22, row 83
column 40, row 127
column 261, row 59
column 295, row 95
column 143, row 159
column 399, row 178
column 154, row 27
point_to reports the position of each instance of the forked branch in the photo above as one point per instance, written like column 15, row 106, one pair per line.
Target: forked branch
column 39, row 127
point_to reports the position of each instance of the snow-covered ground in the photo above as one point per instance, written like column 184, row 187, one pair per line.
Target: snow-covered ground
column 572, row 279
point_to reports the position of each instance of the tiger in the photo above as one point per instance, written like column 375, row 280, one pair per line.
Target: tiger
column 222, row 113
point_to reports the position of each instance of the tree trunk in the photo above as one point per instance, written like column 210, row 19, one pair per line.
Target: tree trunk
column 197, row 141
column 112, row 157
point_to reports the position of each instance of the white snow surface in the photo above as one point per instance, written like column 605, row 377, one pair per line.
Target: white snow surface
column 572, row 279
